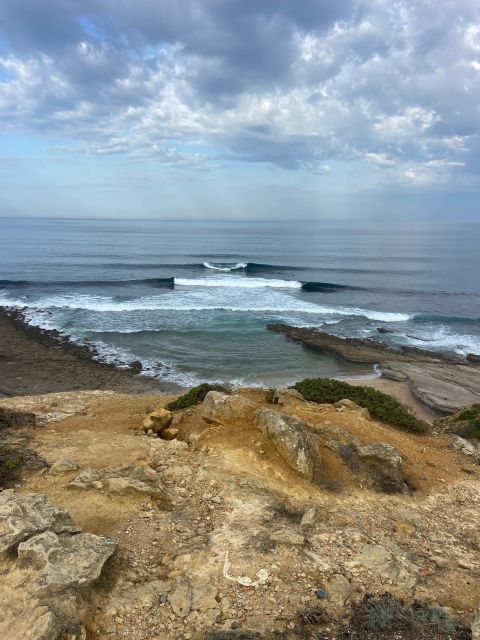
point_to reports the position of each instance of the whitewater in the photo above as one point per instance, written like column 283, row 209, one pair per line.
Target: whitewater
column 191, row 301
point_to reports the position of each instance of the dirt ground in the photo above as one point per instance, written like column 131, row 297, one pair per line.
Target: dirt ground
column 230, row 508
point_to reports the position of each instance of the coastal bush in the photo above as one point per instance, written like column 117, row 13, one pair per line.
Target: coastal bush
column 380, row 405
column 269, row 396
column 9, row 465
column 386, row 618
column 195, row 396
column 467, row 422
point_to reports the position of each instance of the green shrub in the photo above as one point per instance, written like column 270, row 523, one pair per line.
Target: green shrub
column 10, row 464
column 270, row 395
column 466, row 423
column 195, row 395
column 380, row 405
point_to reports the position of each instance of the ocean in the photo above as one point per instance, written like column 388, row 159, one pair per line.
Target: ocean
column 191, row 299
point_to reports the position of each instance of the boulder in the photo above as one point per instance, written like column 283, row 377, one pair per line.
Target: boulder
column 292, row 439
column 66, row 561
column 386, row 464
column 220, row 408
column 339, row 589
column 466, row 447
column 87, row 478
column 25, row 515
column 381, row 562
column 64, row 465
column 158, row 420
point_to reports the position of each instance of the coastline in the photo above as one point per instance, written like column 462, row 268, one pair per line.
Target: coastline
column 35, row 361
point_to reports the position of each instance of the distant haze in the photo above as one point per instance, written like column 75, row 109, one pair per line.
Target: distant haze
column 239, row 109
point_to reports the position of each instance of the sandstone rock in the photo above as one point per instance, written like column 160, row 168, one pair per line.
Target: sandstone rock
column 476, row 627
column 292, row 439
column 220, row 408
column 381, row 562
column 85, row 479
column 287, row 537
column 45, row 627
column 144, row 595
column 286, row 396
column 158, row 420
column 339, row 589
column 204, row 597
column 180, row 598
column 346, row 403
column 24, row 515
column 123, row 486
column 308, row 517
column 64, row 465
column 466, row 447
column 386, row 464
column 66, row 561
column 169, row 434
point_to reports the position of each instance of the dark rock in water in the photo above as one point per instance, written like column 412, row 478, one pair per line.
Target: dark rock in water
column 385, row 330
column 474, row 358
column 136, row 366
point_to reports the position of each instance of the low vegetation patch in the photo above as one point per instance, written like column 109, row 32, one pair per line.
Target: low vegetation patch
column 386, row 618
column 195, row 395
column 466, row 423
column 270, row 395
column 10, row 463
column 380, row 405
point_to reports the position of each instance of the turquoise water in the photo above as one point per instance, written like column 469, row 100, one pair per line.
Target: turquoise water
column 191, row 299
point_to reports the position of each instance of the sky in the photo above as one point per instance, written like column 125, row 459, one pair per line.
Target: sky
column 239, row 109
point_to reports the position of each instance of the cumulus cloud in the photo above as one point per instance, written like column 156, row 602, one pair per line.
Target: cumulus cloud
column 294, row 85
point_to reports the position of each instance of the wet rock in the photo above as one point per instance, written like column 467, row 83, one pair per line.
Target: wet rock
column 64, row 465
column 386, row 464
column 65, row 561
column 180, row 598
column 24, row 515
column 220, row 408
column 292, row 439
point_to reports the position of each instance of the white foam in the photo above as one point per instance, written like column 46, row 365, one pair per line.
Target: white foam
column 224, row 267
column 239, row 283
column 442, row 338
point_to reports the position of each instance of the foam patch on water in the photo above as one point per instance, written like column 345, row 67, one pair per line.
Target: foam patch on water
column 443, row 339
column 239, row 283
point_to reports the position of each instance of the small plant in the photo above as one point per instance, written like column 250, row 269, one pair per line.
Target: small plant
column 270, row 395
column 384, row 617
column 195, row 396
column 10, row 463
column 380, row 405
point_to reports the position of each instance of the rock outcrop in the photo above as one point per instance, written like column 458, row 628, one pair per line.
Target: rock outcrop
column 220, row 408
column 157, row 421
column 443, row 382
column 386, row 465
column 25, row 515
column 293, row 440
column 120, row 479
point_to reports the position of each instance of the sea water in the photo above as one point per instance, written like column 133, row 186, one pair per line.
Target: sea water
column 191, row 299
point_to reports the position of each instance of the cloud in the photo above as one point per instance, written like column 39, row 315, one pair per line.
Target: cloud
column 293, row 85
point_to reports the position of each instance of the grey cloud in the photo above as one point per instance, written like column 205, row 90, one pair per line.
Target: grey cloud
column 293, row 84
